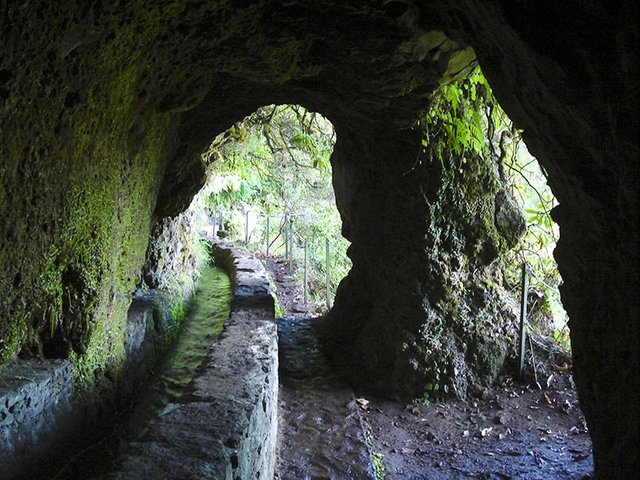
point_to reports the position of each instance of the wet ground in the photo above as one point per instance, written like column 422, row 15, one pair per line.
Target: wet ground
column 321, row 435
column 320, row 430
column 512, row 432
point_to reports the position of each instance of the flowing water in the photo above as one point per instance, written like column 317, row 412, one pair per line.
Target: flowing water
column 169, row 380
column 207, row 313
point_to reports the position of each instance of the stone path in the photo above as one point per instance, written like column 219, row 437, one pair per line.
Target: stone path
column 320, row 430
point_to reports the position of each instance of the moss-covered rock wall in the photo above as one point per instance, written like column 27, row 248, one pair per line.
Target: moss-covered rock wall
column 432, row 319
column 83, row 153
column 103, row 104
column 566, row 73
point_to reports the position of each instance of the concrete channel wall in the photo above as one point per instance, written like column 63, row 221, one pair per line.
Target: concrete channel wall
column 41, row 413
column 225, row 427
column 36, row 409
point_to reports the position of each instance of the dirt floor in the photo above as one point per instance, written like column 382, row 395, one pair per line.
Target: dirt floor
column 511, row 431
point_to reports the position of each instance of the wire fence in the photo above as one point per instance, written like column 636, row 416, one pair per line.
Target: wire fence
column 320, row 261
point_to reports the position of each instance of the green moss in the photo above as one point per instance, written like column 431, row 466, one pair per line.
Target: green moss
column 79, row 182
column 95, row 259
column 462, row 345
column 10, row 342
column 378, row 465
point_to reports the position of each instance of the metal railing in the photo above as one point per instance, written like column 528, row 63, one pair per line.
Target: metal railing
column 268, row 241
column 314, row 256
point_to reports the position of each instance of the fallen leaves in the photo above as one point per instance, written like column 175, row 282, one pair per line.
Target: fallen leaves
column 485, row 432
column 529, row 427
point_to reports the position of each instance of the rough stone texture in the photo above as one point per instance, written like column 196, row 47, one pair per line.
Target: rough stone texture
column 36, row 403
column 225, row 427
column 172, row 263
column 42, row 415
column 248, row 274
column 566, row 73
column 148, row 332
column 105, row 104
column 431, row 319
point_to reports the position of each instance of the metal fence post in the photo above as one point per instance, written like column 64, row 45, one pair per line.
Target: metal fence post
column 523, row 318
column 267, row 246
column 328, row 279
column 290, row 245
column 306, row 267
column 286, row 236
column 246, row 227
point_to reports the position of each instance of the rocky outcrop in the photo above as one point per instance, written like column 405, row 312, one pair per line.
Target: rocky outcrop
column 554, row 71
column 431, row 319
column 105, row 106
column 175, row 255
column 225, row 426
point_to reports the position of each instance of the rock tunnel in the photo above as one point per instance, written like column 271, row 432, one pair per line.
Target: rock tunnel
column 106, row 106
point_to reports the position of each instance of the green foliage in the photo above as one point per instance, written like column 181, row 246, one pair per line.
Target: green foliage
column 528, row 182
column 465, row 124
column 276, row 163
column 279, row 309
column 458, row 114
column 378, row 465
column 178, row 311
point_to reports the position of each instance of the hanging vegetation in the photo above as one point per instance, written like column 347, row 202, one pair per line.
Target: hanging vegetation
column 276, row 164
column 488, row 215
column 469, row 119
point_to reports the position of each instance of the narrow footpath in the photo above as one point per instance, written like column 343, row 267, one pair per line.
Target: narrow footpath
column 320, row 431
column 512, row 431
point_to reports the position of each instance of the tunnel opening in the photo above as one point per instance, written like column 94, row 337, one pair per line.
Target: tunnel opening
column 269, row 187
column 488, row 214
column 472, row 226
column 450, row 248
column 80, row 184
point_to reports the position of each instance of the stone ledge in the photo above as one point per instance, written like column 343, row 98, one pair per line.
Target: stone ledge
column 225, row 427
column 36, row 408
column 41, row 414
column 251, row 286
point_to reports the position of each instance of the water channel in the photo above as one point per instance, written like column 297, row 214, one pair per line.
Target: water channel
column 169, row 379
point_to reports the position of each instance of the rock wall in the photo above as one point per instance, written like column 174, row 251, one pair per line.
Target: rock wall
column 36, row 410
column 565, row 73
column 83, row 152
column 104, row 107
column 225, row 426
column 45, row 418
column 426, row 241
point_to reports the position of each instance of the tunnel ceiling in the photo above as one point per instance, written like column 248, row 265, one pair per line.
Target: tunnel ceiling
column 105, row 106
